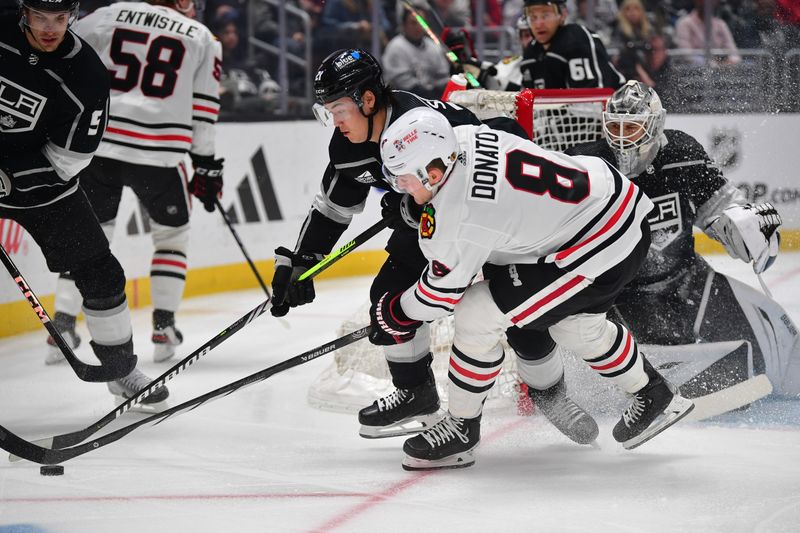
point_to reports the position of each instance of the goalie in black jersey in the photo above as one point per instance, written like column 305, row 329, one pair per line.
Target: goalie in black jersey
column 53, row 113
column 563, row 56
column 352, row 96
column 694, row 303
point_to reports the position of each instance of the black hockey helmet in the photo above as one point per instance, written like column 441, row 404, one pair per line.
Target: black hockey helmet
column 50, row 5
column 544, row 2
column 349, row 72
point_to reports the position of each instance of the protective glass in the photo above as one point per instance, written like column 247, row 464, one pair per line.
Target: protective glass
column 336, row 112
column 538, row 14
column 49, row 21
column 404, row 183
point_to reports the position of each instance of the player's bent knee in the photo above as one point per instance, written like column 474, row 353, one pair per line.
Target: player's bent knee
column 99, row 278
column 529, row 344
column 587, row 335
column 479, row 323
column 410, row 351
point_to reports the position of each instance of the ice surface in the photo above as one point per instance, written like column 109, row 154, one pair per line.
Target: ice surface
column 261, row 459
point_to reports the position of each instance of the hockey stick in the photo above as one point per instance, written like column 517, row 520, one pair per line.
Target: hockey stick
column 32, row 452
column 241, row 247
column 451, row 56
column 84, row 371
column 348, row 247
column 733, row 397
column 69, row 439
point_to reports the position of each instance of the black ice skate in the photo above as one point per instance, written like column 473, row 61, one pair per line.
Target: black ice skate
column 403, row 412
column 129, row 386
column 655, row 407
column 567, row 416
column 450, row 443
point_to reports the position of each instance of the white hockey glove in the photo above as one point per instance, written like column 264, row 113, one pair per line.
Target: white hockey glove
column 5, row 184
column 749, row 232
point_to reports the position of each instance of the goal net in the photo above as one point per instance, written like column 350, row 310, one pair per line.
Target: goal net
column 556, row 120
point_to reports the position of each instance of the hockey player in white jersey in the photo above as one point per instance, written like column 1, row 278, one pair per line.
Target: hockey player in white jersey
column 165, row 71
column 557, row 238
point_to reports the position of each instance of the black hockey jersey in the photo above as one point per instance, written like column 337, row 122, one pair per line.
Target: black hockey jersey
column 53, row 111
column 356, row 167
column 686, row 188
column 576, row 58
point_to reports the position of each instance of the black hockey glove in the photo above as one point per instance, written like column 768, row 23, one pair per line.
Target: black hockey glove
column 5, row 183
column 400, row 211
column 206, row 183
column 390, row 325
column 286, row 291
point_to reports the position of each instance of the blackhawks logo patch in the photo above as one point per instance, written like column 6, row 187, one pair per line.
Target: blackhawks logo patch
column 427, row 222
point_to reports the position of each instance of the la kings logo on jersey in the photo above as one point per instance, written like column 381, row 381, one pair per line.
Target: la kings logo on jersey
column 20, row 108
column 665, row 220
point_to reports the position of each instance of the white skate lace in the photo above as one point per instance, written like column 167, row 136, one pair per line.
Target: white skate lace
column 632, row 413
column 444, row 431
column 135, row 381
column 565, row 413
column 392, row 401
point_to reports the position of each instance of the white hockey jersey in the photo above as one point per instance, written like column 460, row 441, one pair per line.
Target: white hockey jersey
column 165, row 70
column 508, row 201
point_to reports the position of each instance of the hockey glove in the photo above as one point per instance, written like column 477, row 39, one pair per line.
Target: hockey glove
column 206, row 183
column 750, row 233
column 390, row 325
column 286, row 291
column 5, row 183
column 400, row 211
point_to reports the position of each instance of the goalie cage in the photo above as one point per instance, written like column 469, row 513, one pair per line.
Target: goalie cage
column 555, row 119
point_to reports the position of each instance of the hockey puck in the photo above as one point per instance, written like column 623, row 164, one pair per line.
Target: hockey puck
column 52, row 470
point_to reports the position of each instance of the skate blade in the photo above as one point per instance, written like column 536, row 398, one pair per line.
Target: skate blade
column 408, row 426
column 677, row 409
column 459, row 460
column 144, row 408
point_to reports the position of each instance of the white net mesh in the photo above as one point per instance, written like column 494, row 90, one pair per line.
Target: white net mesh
column 359, row 373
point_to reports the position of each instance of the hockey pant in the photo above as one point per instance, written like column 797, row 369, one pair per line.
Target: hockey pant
column 71, row 240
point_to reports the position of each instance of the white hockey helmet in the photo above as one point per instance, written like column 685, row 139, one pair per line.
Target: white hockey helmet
column 633, row 126
column 412, row 142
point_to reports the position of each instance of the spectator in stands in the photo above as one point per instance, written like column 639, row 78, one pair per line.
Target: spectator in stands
column 412, row 61
column 348, row 24
column 604, row 17
column 244, row 87
column 631, row 39
column 452, row 13
column 690, row 33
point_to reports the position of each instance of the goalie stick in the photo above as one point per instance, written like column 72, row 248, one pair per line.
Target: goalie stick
column 84, row 371
column 69, row 439
column 33, row 452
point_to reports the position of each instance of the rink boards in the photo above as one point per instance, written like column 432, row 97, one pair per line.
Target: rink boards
column 273, row 170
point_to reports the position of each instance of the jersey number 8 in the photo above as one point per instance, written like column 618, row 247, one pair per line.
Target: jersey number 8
column 162, row 62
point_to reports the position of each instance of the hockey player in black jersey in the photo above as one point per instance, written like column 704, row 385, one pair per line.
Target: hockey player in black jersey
column 53, row 112
column 352, row 96
column 694, row 303
column 563, row 56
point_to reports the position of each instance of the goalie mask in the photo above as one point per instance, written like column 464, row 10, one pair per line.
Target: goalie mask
column 633, row 126
column 412, row 143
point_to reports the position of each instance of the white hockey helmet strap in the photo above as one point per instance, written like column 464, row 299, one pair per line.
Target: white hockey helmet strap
column 412, row 142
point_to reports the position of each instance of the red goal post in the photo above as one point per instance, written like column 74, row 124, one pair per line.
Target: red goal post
column 554, row 118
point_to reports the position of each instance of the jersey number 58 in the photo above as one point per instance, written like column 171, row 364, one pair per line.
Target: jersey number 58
column 162, row 61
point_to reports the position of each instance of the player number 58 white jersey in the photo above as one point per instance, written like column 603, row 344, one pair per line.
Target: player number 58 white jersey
column 165, row 70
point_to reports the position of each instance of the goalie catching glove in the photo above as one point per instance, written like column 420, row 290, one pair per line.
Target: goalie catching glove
column 206, row 183
column 390, row 325
column 750, row 233
column 286, row 290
